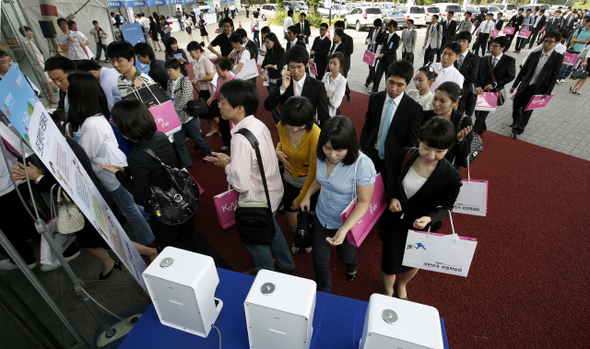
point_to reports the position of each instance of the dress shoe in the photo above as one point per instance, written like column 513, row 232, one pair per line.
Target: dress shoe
column 351, row 277
column 512, row 125
column 104, row 277
column 348, row 97
column 7, row 264
column 514, row 135
column 403, row 299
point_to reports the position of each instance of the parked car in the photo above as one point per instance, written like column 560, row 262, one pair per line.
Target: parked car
column 268, row 11
column 474, row 13
column 337, row 11
column 296, row 6
column 441, row 10
column 508, row 9
column 417, row 13
column 362, row 17
column 495, row 10
column 396, row 16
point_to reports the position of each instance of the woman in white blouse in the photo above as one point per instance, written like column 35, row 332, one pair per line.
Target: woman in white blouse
column 89, row 114
column 335, row 83
column 204, row 72
column 423, row 79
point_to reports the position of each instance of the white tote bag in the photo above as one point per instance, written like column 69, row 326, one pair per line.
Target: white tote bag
column 448, row 254
column 473, row 197
column 46, row 255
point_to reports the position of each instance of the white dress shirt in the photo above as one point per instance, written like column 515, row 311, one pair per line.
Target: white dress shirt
column 338, row 88
column 297, row 91
column 396, row 102
column 446, row 74
column 243, row 172
column 75, row 52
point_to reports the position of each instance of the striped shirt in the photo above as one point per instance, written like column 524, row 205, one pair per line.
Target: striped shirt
column 243, row 172
column 126, row 87
column 75, row 52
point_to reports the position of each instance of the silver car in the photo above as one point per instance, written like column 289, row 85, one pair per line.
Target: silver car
column 396, row 16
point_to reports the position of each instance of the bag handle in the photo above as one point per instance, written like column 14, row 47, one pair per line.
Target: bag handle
column 252, row 139
column 492, row 70
column 52, row 206
column 136, row 91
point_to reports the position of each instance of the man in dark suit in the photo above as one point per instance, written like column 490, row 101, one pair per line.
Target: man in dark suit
column 539, row 23
column 297, row 83
column 449, row 28
column 248, row 44
column 537, row 77
column 293, row 38
column 372, row 43
column 568, row 21
column 554, row 23
column 514, row 22
column 304, row 28
column 498, row 27
column 503, row 68
column 468, row 66
column 390, row 41
column 349, row 50
column 319, row 50
column 395, row 113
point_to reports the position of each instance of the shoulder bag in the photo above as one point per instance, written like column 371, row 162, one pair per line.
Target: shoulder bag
column 476, row 146
column 254, row 220
column 502, row 92
column 69, row 217
column 178, row 203
column 303, row 237
column 197, row 107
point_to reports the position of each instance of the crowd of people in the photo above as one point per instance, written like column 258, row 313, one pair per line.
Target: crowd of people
column 417, row 139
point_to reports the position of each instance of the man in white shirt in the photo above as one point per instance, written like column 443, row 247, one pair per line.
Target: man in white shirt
column 483, row 33
column 145, row 25
column 239, row 55
column 446, row 68
column 239, row 102
column 288, row 22
column 72, row 42
column 539, row 23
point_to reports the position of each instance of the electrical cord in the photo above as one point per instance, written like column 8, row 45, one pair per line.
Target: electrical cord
column 215, row 327
column 105, row 309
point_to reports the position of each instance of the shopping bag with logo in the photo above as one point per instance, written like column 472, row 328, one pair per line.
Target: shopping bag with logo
column 249, row 70
column 225, row 205
column 313, row 69
column 369, row 58
column 166, row 118
column 509, row 30
column 570, row 58
column 449, row 254
column 378, row 204
column 538, row 102
column 495, row 33
column 487, row 101
column 523, row 33
column 473, row 197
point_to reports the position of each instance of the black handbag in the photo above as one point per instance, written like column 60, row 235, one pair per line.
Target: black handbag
column 580, row 73
column 502, row 92
column 476, row 146
column 178, row 203
column 150, row 95
column 254, row 220
column 303, row 237
column 197, row 107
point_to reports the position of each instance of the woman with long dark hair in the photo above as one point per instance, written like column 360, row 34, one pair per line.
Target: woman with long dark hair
column 155, row 32
column 173, row 51
column 271, row 67
column 180, row 91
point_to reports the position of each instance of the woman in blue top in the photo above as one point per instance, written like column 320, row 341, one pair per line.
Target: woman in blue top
column 342, row 173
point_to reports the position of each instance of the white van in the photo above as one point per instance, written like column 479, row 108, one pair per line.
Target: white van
column 268, row 11
column 441, row 10
column 417, row 13
column 508, row 10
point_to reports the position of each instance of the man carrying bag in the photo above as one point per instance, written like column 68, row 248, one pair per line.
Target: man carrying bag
column 253, row 171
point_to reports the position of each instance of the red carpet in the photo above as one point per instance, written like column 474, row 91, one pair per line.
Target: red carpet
column 528, row 284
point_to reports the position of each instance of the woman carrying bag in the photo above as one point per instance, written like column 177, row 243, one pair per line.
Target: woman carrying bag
column 180, row 91
column 272, row 65
column 423, row 187
column 204, row 72
column 342, row 171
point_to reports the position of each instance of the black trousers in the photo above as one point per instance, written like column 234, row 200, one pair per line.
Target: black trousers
column 381, row 68
column 520, row 117
column 346, row 69
column 520, row 43
column 533, row 37
column 510, row 38
column 482, row 41
column 429, row 55
column 467, row 102
column 479, row 126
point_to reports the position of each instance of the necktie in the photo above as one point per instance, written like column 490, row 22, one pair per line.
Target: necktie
column 385, row 129
column 538, row 69
column 460, row 61
column 296, row 91
column 494, row 61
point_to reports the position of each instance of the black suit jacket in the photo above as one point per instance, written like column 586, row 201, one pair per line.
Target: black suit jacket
column 403, row 130
column 457, row 155
column 499, row 24
column 448, row 32
column 340, row 48
column 553, row 24
column 312, row 89
column 158, row 73
column 321, row 49
column 436, row 197
column 568, row 22
column 541, row 23
column 370, row 37
column 298, row 42
column 504, row 71
column 389, row 49
column 306, row 33
column 469, row 69
column 516, row 22
column 547, row 77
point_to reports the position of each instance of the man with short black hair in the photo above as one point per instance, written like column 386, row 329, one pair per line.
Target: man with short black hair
column 349, row 50
column 432, row 41
column 372, row 41
column 527, row 22
column 449, row 28
column 248, row 44
column 319, row 51
column 409, row 37
column 539, row 23
column 145, row 54
column 304, row 28
column 123, row 57
column 465, row 24
column 100, row 37
column 72, row 42
column 288, row 23
column 468, row 65
column 297, row 83
column 222, row 40
column 514, row 22
column 58, row 68
column 293, row 38
column 390, row 42
column 446, row 68
column 483, row 34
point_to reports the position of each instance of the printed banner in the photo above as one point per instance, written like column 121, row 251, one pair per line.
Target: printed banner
column 509, row 30
column 133, row 33
column 369, row 58
column 116, row 3
column 157, row 3
column 538, row 102
column 26, row 112
column 570, row 58
column 137, row 3
column 472, row 198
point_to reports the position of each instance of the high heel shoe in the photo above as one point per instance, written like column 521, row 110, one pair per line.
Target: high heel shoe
column 104, row 277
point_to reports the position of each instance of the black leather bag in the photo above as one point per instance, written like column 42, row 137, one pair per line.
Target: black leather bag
column 197, row 107
column 303, row 237
column 502, row 92
column 150, row 95
column 178, row 203
column 476, row 146
column 254, row 220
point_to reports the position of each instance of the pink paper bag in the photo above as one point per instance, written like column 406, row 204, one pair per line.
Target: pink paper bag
column 225, row 204
column 378, row 204
column 313, row 69
column 369, row 58
column 509, row 30
column 523, row 33
column 166, row 118
column 487, row 101
column 569, row 58
column 542, row 29
column 538, row 102
column 495, row 33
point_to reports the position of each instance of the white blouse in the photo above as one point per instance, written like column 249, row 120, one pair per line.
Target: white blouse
column 338, row 88
column 412, row 183
column 203, row 67
column 99, row 142
column 424, row 100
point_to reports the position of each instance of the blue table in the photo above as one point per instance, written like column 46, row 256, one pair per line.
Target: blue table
column 338, row 321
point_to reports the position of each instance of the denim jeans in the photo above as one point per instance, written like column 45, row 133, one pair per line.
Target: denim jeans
column 262, row 256
column 257, row 37
column 193, row 128
column 135, row 215
column 275, row 112
column 99, row 48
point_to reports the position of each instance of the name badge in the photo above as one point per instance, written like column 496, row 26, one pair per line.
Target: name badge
column 391, row 45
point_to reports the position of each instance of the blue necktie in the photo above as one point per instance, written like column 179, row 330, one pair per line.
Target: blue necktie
column 385, row 129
